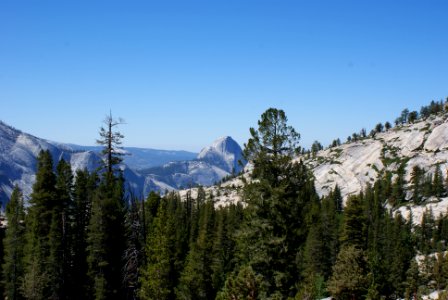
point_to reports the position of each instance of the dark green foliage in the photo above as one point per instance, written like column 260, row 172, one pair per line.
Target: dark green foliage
column 134, row 253
column 425, row 233
column 316, row 147
column 417, row 184
column 438, row 189
column 272, row 146
column 228, row 220
column 275, row 226
column 379, row 128
column 156, row 276
column 244, row 285
column 60, row 260
column 413, row 281
column 36, row 283
column 398, row 253
column 349, row 280
column 196, row 278
column 354, row 228
column 106, row 239
column 84, row 191
column 412, row 117
column 13, row 268
column 398, row 192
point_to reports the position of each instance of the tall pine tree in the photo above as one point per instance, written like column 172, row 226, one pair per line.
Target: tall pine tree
column 37, row 278
column 106, row 238
column 13, row 268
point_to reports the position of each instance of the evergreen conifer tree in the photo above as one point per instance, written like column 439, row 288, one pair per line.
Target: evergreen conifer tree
column 84, row 190
column 349, row 279
column 156, row 276
column 36, row 284
column 416, row 184
column 60, row 235
column 106, row 231
column 196, row 279
column 13, row 268
column 437, row 184
column 275, row 226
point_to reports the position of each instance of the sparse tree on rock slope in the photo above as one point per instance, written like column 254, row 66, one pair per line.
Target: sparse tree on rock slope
column 272, row 147
column 14, row 242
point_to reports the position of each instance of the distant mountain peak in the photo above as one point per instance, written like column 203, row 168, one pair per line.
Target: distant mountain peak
column 223, row 152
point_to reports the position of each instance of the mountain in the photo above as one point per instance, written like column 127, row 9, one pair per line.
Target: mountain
column 19, row 151
column 219, row 160
column 143, row 158
column 224, row 153
column 355, row 164
column 352, row 165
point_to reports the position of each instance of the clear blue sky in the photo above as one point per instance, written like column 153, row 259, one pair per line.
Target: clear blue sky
column 183, row 73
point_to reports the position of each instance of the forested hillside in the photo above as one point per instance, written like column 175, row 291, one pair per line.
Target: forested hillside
column 84, row 237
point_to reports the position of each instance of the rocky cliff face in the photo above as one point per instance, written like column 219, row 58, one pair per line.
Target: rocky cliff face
column 353, row 165
column 224, row 153
column 18, row 159
column 213, row 163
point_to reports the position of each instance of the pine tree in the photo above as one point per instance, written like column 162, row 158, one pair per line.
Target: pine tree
column 60, row 234
column 133, row 256
column 437, row 184
column 111, row 141
column 416, row 184
column 106, row 239
column 275, row 227
column 228, row 220
column 13, row 268
column 106, row 231
column 399, row 255
column 84, row 190
column 398, row 193
column 354, row 228
column 36, row 283
column 196, row 278
column 349, row 279
column 244, row 285
column 330, row 222
column 272, row 146
column 413, row 281
column 156, row 276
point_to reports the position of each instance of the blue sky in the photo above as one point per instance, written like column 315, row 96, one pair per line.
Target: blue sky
column 183, row 73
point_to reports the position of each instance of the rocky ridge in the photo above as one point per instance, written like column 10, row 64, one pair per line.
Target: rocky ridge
column 353, row 165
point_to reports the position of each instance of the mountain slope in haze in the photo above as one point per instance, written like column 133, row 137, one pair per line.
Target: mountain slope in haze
column 213, row 163
column 19, row 151
column 18, row 159
column 143, row 158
